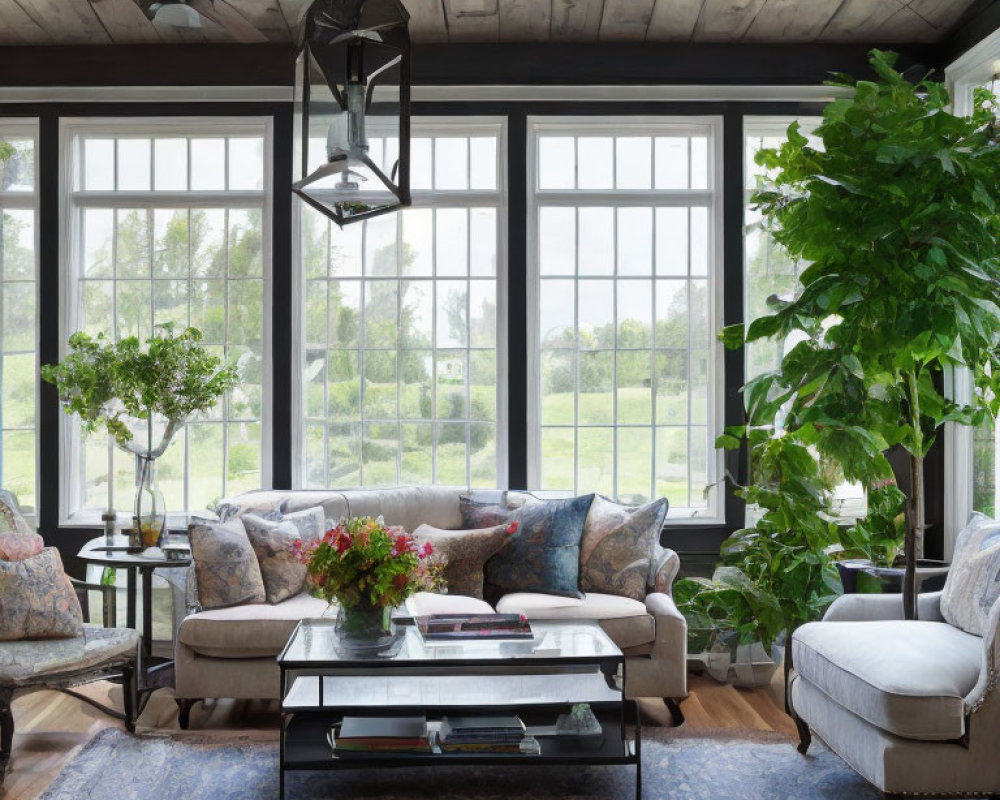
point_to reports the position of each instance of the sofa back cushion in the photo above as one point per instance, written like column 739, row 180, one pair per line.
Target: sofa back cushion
column 618, row 545
column 225, row 565
column 544, row 554
column 973, row 583
column 407, row 506
column 37, row 600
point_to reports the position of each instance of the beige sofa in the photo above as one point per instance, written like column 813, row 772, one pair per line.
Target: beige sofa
column 231, row 652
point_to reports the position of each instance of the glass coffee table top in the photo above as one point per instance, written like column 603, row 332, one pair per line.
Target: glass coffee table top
column 314, row 643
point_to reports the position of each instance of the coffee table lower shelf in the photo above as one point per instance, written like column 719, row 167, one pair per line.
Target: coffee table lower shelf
column 305, row 749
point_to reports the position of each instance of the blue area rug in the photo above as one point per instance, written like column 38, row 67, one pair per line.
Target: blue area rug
column 116, row 765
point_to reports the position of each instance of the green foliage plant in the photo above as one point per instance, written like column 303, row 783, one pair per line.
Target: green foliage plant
column 897, row 216
column 108, row 383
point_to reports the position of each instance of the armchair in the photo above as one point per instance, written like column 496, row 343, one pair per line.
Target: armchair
column 910, row 705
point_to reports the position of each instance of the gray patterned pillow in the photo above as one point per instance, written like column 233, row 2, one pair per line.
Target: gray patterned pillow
column 225, row 565
column 464, row 554
column 617, row 546
column 37, row 601
column 973, row 582
column 273, row 543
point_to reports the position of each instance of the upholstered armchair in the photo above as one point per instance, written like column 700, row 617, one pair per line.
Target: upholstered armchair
column 910, row 705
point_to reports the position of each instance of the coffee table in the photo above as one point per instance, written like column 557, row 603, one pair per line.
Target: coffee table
column 566, row 662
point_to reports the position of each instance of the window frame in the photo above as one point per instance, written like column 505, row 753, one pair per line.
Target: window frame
column 423, row 126
column 31, row 127
column 72, row 201
column 712, row 197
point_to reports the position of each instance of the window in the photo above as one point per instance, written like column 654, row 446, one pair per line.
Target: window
column 768, row 271
column 18, row 354
column 402, row 323
column 624, row 302
column 168, row 221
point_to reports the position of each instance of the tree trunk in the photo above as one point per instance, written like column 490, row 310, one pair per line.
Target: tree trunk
column 914, row 535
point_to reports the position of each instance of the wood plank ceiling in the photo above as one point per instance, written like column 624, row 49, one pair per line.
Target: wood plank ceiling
column 122, row 22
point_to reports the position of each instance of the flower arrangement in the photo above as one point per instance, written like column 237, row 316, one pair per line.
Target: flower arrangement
column 362, row 562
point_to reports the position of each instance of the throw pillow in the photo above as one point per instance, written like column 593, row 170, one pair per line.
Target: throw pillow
column 11, row 520
column 19, row 546
column 617, row 546
column 464, row 554
column 225, row 565
column 544, row 555
column 973, row 582
column 37, row 599
column 477, row 515
column 273, row 544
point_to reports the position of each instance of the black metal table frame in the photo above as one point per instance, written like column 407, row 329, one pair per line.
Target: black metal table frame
column 632, row 749
column 152, row 673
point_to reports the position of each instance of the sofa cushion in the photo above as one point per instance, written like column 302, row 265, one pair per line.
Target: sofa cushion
column 625, row 620
column 37, row 600
column 273, row 543
column 544, row 554
column 909, row 678
column 973, row 582
column 225, row 565
column 248, row 631
column 464, row 552
column 617, row 547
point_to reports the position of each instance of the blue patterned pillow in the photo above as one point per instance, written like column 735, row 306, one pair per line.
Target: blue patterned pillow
column 544, row 555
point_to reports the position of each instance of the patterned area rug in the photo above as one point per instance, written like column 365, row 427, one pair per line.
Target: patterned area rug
column 192, row 767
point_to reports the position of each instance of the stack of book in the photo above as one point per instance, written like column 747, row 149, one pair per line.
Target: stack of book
column 481, row 734
column 449, row 627
column 380, row 735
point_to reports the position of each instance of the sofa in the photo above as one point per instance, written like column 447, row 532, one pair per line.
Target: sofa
column 231, row 652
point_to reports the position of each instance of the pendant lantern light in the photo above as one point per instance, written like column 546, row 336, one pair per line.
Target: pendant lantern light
column 352, row 109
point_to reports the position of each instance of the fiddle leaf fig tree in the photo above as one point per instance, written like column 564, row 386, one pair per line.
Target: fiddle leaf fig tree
column 897, row 215
column 105, row 383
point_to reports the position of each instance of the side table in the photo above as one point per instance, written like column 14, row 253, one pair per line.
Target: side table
column 152, row 673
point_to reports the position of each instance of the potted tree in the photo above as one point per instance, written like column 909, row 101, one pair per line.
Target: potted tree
column 897, row 216
column 141, row 396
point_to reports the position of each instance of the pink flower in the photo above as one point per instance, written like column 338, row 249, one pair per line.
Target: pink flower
column 426, row 550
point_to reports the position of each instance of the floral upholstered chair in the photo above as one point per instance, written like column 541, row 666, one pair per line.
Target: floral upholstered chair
column 45, row 639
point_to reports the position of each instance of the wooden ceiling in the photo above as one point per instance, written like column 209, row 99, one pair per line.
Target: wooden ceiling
column 48, row 22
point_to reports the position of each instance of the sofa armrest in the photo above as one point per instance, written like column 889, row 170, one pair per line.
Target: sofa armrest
column 875, row 607
column 666, row 563
column 664, row 672
column 975, row 699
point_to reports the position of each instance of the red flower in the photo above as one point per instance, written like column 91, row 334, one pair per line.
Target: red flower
column 426, row 550
column 512, row 528
column 343, row 543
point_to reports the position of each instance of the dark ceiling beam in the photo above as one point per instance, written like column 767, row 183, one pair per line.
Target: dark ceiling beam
column 551, row 63
column 981, row 19
column 547, row 63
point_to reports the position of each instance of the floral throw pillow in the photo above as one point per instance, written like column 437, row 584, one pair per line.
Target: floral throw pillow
column 973, row 583
column 617, row 546
column 273, row 543
column 19, row 546
column 11, row 520
column 544, row 555
column 37, row 599
column 225, row 565
column 464, row 553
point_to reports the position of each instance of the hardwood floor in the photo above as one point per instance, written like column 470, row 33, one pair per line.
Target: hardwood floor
column 53, row 727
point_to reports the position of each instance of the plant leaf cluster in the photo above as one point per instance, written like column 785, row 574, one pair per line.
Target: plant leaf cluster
column 897, row 216
column 172, row 377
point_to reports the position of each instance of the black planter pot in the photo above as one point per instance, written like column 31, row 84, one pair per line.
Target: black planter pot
column 861, row 576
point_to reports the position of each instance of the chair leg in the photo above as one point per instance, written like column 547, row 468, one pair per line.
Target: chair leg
column 184, row 706
column 6, row 730
column 129, row 696
column 805, row 737
column 674, row 706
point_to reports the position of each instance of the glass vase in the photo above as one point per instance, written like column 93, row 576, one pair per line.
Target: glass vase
column 150, row 510
column 367, row 631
